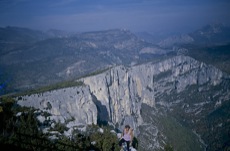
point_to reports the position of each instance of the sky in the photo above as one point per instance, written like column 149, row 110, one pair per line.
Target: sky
column 135, row 15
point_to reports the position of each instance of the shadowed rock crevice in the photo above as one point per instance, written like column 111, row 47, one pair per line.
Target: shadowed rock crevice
column 102, row 113
column 164, row 101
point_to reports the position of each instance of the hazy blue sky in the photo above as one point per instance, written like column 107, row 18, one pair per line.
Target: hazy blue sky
column 135, row 15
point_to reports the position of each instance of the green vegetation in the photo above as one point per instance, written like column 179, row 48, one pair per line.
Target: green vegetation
column 56, row 86
column 103, row 141
column 179, row 136
column 96, row 72
column 22, row 133
column 168, row 147
column 218, row 56
column 210, row 122
column 220, row 130
column 162, row 75
column 60, row 85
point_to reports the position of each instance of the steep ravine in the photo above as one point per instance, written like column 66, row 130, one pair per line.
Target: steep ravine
column 179, row 91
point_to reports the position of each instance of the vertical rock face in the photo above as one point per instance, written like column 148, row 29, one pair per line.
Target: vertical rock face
column 140, row 95
column 179, row 85
column 70, row 103
column 122, row 90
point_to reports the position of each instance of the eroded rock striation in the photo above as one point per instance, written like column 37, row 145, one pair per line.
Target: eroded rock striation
column 139, row 96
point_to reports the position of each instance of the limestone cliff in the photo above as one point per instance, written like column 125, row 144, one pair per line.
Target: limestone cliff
column 73, row 103
column 117, row 96
column 122, row 90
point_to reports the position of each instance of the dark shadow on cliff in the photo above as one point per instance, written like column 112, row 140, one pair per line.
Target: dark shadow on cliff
column 102, row 113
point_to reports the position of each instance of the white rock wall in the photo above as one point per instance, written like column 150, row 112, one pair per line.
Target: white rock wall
column 122, row 90
column 69, row 103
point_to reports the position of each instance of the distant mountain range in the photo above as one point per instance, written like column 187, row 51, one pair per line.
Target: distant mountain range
column 33, row 58
column 210, row 35
column 175, row 91
column 30, row 59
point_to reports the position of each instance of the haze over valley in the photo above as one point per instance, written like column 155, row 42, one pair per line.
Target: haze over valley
column 74, row 73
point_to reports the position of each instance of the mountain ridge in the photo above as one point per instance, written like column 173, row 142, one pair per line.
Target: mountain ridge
column 61, row 56
column 64, row 58
column 118, row 95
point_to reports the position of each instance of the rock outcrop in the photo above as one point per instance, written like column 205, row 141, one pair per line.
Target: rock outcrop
column 73, row 104
column 118, row 95
column 122, row 90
